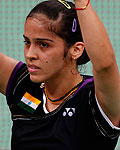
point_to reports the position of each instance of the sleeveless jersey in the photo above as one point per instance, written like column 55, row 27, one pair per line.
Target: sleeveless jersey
column 77, row 124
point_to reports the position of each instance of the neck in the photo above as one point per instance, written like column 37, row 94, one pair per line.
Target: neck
column 58, row 87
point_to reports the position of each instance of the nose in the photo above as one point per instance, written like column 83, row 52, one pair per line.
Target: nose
column 30, row 53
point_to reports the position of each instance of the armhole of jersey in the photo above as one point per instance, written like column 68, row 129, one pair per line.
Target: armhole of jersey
column 12, row 78
column 105, row 116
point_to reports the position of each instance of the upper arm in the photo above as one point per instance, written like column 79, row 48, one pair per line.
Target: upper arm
column 7, row 65
column 107, row 89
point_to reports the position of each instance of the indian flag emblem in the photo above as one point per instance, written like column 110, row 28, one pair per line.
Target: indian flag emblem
column 29, row 103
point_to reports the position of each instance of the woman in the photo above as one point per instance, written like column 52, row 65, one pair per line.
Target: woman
column 52, row 105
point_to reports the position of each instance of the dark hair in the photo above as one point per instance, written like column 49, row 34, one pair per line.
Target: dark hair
column 63, row 19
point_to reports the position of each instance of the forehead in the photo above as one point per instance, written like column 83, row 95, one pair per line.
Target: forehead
column 39, row 18
column 36, row 28
column 37, row 25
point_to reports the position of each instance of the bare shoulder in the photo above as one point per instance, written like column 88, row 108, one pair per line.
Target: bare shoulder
column 107, row 87
column 7, row 65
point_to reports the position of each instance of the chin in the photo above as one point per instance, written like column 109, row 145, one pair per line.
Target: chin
column 35, row 79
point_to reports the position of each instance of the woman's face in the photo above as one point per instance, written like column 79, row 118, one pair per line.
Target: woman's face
column 43, row 51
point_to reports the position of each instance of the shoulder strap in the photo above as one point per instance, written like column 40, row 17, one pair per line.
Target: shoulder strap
column 84, row 83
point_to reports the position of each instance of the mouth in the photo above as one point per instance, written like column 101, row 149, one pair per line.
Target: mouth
column 33, row 68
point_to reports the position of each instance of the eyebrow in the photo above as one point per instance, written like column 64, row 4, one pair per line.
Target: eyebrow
column 39, row 39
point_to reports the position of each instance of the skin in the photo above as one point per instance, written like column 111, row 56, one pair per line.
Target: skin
column 9, row 63
column 47, row 63
column 102, row 56
column 44, row 55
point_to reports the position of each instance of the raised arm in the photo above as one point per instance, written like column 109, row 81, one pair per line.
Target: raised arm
column 101, row 53
column 7, row 64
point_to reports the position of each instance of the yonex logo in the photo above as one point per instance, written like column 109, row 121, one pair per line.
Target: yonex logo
column 69, row 111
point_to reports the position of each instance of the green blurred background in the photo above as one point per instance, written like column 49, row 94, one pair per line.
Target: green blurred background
column 12, row 18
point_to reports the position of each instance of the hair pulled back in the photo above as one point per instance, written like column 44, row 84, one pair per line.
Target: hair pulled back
column 63, row 20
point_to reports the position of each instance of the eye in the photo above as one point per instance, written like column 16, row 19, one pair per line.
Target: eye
column 26, row 42
column 43, row 44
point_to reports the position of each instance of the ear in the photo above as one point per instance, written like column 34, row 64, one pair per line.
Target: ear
column 76, row 50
